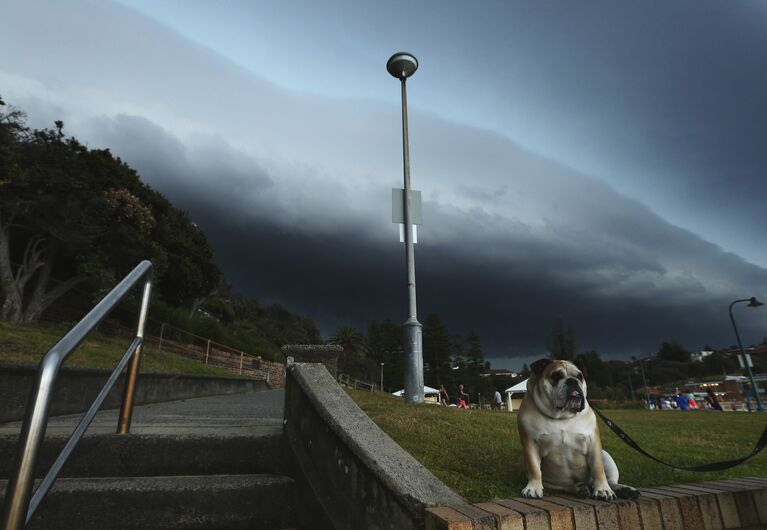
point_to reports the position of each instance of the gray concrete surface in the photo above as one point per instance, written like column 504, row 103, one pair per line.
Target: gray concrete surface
column 249, row 414
column 76, row 388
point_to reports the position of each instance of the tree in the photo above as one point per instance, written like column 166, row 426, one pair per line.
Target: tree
column 350, row 339
column 562, row 344
column 284, row 327
column 673, row 351
column 71, row 216
column 353, row 360
column 525, row 372
column 437, row 347
column 475, row 367
column 384, row 345
column 593, row 367
column 475, row 358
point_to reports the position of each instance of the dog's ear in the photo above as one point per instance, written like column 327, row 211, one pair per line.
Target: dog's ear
column 539, row 366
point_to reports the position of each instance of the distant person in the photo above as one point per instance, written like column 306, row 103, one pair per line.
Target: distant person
column 444, row 399
column 712, row 400
column 497, row 400
column 463, row 398
column 681, row 402
column 691, row 400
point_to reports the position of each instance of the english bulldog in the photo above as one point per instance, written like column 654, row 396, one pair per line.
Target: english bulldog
column 560, row 438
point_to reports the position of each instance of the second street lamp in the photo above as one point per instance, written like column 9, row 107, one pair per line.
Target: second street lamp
column 752, row 302
column 402, row 65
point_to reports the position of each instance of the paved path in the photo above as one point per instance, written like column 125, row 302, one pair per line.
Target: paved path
column 238, row 414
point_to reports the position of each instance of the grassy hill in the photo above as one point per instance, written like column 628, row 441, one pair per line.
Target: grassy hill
column 28, row 343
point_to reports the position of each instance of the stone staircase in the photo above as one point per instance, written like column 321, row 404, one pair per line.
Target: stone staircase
column 216, row 478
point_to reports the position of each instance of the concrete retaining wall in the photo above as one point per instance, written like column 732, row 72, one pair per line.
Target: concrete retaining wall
column 360, row 476
column 77, row 387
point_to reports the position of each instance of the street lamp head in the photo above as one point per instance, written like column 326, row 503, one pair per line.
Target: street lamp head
column 753, row 302
column 402, row 65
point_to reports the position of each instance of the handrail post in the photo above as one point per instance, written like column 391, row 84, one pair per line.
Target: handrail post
column 207, row 352
column 19, row 489
column 129, row 394
column 240, row 363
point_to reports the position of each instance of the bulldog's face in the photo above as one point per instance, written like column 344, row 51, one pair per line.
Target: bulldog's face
column 561, row 383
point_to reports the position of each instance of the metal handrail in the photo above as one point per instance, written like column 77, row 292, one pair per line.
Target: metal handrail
column 17, row 507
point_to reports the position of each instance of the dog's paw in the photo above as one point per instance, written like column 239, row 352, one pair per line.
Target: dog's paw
column 603, row 493
column 532, row 491
column 583, row 490
column 625, row 492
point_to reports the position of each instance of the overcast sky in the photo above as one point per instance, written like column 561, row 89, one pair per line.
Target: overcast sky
column 601, row 163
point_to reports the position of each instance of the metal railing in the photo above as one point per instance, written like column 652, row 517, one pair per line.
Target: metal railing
column 356, row 384
column 17, row 507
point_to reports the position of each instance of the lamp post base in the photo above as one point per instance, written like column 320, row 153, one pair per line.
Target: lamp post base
column 413, row 331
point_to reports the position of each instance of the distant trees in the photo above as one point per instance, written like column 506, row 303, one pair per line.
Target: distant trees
column 673, row 351
column 562, row 341
column 75, row 217
column 384, row 345
column 438, row 349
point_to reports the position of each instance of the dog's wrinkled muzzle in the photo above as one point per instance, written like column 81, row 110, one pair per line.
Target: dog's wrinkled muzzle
column 575, row 398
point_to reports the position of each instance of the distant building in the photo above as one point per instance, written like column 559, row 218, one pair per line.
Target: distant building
column 698, row 356
column 500, row 372
column 760, row 349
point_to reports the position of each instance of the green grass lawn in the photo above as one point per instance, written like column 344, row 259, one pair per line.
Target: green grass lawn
column 478, row 454
column 28, row 343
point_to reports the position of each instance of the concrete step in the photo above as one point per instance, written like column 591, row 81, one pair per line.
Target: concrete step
column 180, row 502
column 135, row 455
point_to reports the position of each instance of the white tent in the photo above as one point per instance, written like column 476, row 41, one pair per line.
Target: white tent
column 519, row 387
column 427, row 391
column 430, row 395
column 514, row 394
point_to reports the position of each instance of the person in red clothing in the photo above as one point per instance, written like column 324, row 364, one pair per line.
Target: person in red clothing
column 463, row 398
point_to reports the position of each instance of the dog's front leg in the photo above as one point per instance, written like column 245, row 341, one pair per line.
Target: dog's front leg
column 600, row 488
column 534, row 488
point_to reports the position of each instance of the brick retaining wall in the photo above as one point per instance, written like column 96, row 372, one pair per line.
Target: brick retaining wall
column 733, row 503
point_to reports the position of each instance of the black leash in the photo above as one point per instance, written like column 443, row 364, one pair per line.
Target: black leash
column 716, row 466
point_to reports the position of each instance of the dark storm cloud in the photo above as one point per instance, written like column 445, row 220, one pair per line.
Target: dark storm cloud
column 624, row 278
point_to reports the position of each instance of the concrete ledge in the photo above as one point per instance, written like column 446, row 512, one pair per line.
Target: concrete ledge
column 733, row 503
column 360, row 476
column 77, row 387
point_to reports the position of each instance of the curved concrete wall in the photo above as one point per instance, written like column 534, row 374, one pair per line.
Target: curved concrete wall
column 360, row 476
column 77, row 387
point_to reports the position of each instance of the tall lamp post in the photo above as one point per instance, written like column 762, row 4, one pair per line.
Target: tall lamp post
column 752, row 302
column 644, row 382
column 402, row 65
